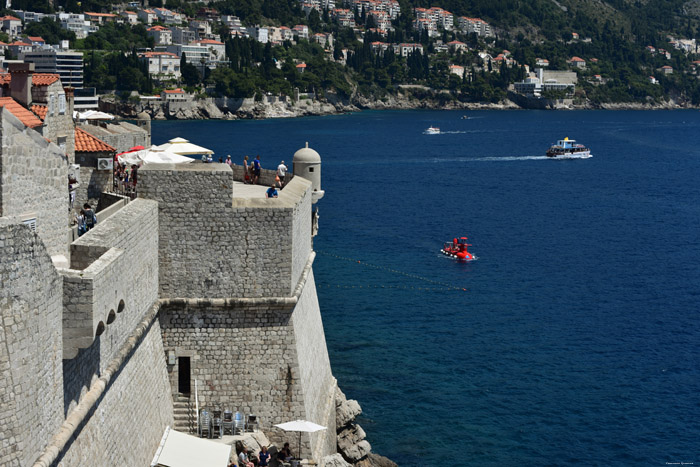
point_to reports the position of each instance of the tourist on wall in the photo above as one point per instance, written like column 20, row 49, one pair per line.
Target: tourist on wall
column 256, row 169
column 228, row 159
column 90, row 217
column 271, row 192
column 281, row 173
column 246, row 170
column 80, row 221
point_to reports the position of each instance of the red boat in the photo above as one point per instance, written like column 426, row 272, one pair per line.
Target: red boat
column 458, row 249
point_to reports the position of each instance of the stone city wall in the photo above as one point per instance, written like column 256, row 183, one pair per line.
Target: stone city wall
column 34, row 183
column 114, row 287
column 122, row 136
column 92, row 181
column 315, row 373
column 30, row 346
column 268, row 360
column 128, row 422
column 214, row 245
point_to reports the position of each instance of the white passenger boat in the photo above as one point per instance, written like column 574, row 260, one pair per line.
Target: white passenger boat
column 433, row 130
column 568, row 149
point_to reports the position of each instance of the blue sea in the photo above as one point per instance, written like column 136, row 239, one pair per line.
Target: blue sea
column 575, row 336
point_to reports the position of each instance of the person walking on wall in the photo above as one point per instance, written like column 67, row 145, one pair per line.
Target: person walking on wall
column 90, row 217
column 246, row 170
column 80, row 221
column 256, row 169
column 281, row 172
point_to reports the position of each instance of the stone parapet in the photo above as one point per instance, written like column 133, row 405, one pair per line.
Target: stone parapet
column 112, row 280
column 215, row 245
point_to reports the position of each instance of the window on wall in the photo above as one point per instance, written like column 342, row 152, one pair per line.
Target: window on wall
column 62, row 104
column 52, row 104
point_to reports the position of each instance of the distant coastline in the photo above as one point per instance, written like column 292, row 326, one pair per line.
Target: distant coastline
column 248, row 109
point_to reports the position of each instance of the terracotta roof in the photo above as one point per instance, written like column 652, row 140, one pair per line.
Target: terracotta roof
column 174, row 91
column 24, row 115
column 158, row 28
column 9, row 18
column 301, row 65
column 106, row 15
column 44, row 79
column 38, row 79
column 209, row 41
column 85, row 142
column 157, row 54
column 40, row 111
column 577, row 59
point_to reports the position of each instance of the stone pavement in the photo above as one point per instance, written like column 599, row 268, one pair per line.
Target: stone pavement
column 242, row 190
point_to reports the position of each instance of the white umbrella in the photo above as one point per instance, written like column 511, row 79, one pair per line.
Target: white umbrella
column 153, row 156
column 94, row 115
column 300, row 426
column 182, row 146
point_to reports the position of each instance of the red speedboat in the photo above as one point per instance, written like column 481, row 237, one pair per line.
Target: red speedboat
column 458, row 249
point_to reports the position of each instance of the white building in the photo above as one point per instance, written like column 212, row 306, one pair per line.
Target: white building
column 474, row 25
column 161, row 35
column 217, row 49
column 258, row 33
column 77, row 23
column 181, row 35
column 162, row 65
column 534, row 86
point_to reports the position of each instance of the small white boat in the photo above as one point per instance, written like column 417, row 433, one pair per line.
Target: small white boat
column 433, row 130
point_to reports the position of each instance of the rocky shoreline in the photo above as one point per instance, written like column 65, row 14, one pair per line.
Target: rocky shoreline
column 218, row 109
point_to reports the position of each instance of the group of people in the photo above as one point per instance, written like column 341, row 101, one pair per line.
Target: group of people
column 248, row 459
column 85, row 219
column 252, row 174
column 125, row 178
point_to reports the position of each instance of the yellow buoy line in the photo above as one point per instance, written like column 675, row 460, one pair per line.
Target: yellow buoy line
column 443, row 285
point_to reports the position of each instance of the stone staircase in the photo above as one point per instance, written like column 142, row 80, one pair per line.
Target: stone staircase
column 184, row 413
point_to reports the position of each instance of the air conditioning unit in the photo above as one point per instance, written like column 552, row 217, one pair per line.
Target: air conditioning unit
column 105, row 164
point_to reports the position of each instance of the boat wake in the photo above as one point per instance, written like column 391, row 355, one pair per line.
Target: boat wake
column 511, row 158
column 452, row 132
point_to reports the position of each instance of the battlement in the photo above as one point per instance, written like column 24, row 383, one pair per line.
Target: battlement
column 215, row 245
column 112, row 279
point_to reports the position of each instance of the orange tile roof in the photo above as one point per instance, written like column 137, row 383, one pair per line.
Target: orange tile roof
column 174, row 91
column 209, row 41
column 44, row 79
column 36, row 38
column 9, row 18
column 40, row 111
column 24, row 115
column 85, row 142
column 38, row 79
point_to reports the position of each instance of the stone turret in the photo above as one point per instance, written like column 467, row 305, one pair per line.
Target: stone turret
column 307, row 164
column 144, row 121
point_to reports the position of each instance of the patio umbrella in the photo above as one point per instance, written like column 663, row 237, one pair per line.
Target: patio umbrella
column 153, row 156
column 302, row 426
column 183, row 147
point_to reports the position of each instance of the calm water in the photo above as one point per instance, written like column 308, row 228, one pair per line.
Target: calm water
column 577, row 340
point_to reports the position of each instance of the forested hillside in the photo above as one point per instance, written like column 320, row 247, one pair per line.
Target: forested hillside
column 611, row 36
